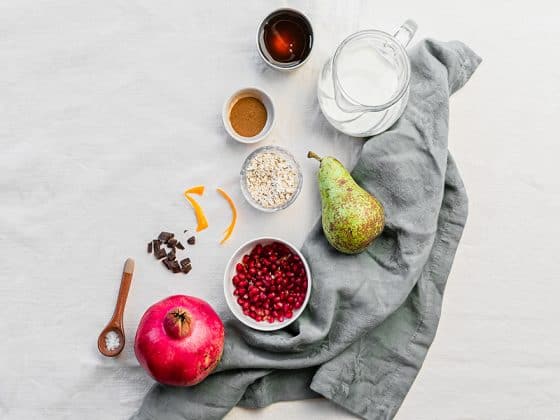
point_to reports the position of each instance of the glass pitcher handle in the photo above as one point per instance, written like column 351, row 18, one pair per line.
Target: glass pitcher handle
column 405, row 33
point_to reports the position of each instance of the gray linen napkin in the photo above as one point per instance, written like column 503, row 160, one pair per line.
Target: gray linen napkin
column 371, row 317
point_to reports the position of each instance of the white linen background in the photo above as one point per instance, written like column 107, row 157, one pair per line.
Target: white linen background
column 109, row 109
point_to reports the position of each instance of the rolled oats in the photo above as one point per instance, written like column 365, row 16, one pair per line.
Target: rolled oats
column 271, row 179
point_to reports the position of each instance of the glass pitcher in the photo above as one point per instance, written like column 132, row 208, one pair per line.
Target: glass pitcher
column 363, row 88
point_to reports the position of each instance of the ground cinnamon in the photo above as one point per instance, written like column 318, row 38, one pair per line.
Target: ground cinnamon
column 248, row 116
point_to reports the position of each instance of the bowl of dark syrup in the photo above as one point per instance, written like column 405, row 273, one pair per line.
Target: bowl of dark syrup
column 285, row 39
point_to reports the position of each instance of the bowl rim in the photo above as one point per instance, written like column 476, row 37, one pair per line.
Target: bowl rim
column 270, row 117
column 246, row 193
column 231, row 300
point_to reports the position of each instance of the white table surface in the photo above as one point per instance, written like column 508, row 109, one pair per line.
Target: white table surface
column 109, row 109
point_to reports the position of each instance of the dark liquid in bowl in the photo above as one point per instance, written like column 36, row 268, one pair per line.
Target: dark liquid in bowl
column 286, row 38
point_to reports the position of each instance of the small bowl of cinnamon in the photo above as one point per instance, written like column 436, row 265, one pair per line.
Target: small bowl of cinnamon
column 248, row 115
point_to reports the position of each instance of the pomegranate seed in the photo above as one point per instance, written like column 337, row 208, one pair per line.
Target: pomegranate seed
column 246, row 259
column 240, row 268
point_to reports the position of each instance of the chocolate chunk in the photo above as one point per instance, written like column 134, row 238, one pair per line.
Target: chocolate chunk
column 191, row 240
column 158, row 252
column 167, row 263
column 171, row 255
column 174, row 265
column 172, row 243
column 150, row 244
column 185, row 269
column 161, row 254
column 165, row 236
column 180, row 245
column 185, row 262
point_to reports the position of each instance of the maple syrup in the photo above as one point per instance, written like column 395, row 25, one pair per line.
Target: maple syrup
column 285, row 38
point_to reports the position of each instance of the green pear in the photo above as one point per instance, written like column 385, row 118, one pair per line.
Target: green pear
column 352, row 217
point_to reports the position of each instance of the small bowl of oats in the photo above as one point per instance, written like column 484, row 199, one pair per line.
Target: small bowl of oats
column 271, row 179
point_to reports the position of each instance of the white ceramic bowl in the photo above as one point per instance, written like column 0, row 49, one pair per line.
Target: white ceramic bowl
column 251, row 92
column 231, row 299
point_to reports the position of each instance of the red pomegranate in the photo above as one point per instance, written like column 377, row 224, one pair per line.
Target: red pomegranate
column 179, row 340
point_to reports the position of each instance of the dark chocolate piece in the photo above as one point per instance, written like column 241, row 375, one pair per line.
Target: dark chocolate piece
column 150, row 244
column 171, row 255
column 158, row 252
column 165, row 236
column 180, row 245
column 186, row 268
column 172, row 243
column 185, row 262
column 191, row 240
column 161, row 254
column 167, row 263
column 174, row 266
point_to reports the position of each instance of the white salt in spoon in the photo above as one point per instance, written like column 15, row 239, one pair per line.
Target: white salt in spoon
column 111, row 340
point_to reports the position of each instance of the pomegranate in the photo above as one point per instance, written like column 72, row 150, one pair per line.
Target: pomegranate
column 179, row 341
column 270, row 283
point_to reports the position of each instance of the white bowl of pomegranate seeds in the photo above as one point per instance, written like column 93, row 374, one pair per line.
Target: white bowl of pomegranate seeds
column 267, row 283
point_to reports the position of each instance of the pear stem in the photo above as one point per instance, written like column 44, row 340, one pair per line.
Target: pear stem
column 313, row 155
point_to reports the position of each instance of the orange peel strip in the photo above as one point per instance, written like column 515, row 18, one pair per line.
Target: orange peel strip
column 198, row 190
column 231, row 226
column 201, row 219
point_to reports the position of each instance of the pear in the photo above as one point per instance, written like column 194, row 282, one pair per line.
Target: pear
column 352, row 218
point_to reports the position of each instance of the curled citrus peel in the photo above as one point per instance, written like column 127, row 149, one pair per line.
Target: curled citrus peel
column 201, row 219
column 198, row 190
column 231, row 226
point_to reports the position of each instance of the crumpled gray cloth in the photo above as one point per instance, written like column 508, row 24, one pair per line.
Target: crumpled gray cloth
column 371, row 317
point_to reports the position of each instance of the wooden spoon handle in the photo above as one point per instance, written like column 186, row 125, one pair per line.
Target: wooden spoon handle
column 123, row 291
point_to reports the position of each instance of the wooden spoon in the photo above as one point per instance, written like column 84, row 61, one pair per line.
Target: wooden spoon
column 116, row 323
